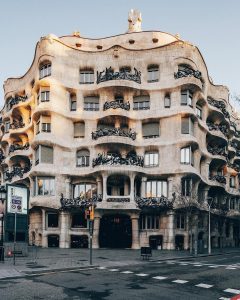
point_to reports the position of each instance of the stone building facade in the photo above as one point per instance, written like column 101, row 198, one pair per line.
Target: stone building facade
column 132, row 123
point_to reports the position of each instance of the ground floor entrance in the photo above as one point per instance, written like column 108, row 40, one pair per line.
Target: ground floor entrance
column 115, row 231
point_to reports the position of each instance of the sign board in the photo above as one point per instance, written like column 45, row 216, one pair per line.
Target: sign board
column 17, row 199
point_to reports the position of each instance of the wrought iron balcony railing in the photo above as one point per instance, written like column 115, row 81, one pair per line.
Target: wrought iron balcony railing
column 109, row 74
column 17, row 171
column 115, row 159
column 223, row 128
column 233, row 144
column 220, row 105
column 16, row 100
column 234, row 166
column 218, row 178
column 113, row 132
column 154, row 202
column 216, row 150
column 15, row 147
column 2, row 156
column 17, row 124
column 79, row 202
column 116, row 104
column 187, row 72
column 238, row 153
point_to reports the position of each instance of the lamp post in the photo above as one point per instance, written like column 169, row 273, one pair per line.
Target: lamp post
column 209, row 203
column 2, row 199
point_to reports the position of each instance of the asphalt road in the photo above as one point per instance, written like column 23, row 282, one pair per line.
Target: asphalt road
column 215, row 277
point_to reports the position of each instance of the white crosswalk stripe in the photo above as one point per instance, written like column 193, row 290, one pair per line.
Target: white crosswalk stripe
column 197, row 265
column 180, row 281
column 113, row 270
column 142, row 274
column 159, row 277
column 101, row 268
column 231, row 268
column 223, row 298
column 204, row 285
column 233, row 291
column 127, row 272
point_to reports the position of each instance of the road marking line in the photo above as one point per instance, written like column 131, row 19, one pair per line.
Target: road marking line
column 127, row 272
column 113, row 270
column 170, row 263
column 230, row 268
column 203, row 285
column 159, row 277
column 233, row 291
column 223, row 298
column 181, row 264
column 180, row 281
column 142, row 274
column 213, row 266
column 102, row 268
column 197, row 265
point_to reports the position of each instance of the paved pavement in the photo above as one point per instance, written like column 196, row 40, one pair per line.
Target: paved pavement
column 42, row 260
column 200, row 278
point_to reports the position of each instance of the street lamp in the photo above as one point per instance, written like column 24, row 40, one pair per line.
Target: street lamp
column 1, row 218
column 209, row 203
column 2, row 199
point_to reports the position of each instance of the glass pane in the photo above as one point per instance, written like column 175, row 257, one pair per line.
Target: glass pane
column 154, row 188
column 164, row 188
column 147, row 160
column 148, row 189
column 40, row 186
column 88, row 191
column 159, row 188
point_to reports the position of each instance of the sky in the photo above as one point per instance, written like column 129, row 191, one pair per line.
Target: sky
column 211, row 25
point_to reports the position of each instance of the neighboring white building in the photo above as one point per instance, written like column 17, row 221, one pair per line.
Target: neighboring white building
column 134, row 122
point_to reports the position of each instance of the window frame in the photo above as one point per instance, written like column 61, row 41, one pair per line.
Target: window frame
column 186, row 156
column 51, row 186
column 153, row 73
column 151, row 156
column 189, row 98
column 45, row 70
column 86, row 76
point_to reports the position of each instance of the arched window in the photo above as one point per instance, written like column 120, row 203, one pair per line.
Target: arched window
column 83, row 158
column 45, row 69
column 153, row 73
column 151, row 159
column 86, row 76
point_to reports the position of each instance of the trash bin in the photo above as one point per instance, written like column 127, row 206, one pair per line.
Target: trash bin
column 1, row 253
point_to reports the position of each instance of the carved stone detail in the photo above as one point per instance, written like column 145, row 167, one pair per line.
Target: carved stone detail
column 113, row 132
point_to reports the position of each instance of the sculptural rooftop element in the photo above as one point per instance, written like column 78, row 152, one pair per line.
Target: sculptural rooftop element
column 134, row 21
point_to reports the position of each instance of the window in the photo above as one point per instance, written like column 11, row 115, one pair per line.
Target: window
column 186, row 187
column 180, row 221
column 86, row 76
column 199, row 112
column 79, row 129
column 151, row 159
column 232, row 203
column 232, row 181
column 150, row 130
column 52, row 220
column 186, row 156
column 44, row 186
column 45, row 70
column 149, row 222
column 73, row 102
column 153, row 73
column 186, row 97
column 91, row 103
column 83, row 158
column 141, row 102
column 43, row 154
column 7, row 126
column 187, row 126
column 84, row 190
column 156, row 188
column 45, row 96
column 79, row 220
column 167, row 101
column 46, row 127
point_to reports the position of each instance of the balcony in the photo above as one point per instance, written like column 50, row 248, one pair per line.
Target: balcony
column 15, row 101
column 116, row 104
column 154, row 202
column 115, row 159
column 187, row 72
column 223, row 128
column 15, row 147
column 17, row 171
column 17, row 124
column 79, row 202
column 216, row 150
column 2, row 156
column 220, row 105
column 109, row 74
column 218, row 178
column 113, row 132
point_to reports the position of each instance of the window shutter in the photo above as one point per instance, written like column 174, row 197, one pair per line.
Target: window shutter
column 79, row 129
column 150, row 129
column 184, row 98
column 185, row 126
column 167, row 101
column 141, row 99
column 46, row 154
column 91, row 99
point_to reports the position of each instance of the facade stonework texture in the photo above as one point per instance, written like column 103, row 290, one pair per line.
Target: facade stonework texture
column 133, row 124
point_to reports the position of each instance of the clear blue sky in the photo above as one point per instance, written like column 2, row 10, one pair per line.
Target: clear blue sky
column 212, row 25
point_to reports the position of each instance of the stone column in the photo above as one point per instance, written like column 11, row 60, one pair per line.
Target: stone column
column 104, row 187
column 126, row 188
column 99, row 186
column 95, row 241
column 170, row 187
column 44, row 233
column 135, row 231
column 64, row 239
column 168, row 242
column 132, row 178
column 143, row 187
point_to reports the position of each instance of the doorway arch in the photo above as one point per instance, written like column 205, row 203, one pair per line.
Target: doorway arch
column 115, row 231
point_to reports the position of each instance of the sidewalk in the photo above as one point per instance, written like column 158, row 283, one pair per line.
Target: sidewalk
column 42, row 260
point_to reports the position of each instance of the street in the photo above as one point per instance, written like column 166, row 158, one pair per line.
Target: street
column 214, row 277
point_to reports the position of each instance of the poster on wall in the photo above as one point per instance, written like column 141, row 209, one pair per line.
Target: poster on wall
column 17, row 199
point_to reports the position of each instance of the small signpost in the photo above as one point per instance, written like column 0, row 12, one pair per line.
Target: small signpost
column 91, row 220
